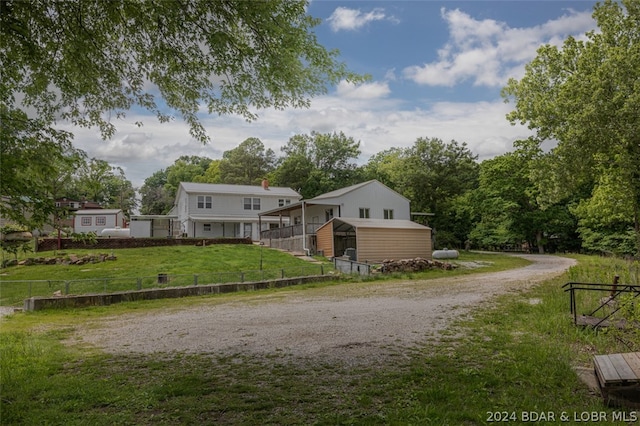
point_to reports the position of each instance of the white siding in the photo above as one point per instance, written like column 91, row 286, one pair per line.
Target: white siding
column 376, row 197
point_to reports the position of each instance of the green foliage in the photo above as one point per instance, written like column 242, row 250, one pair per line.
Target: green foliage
column 585, row 95
column 31, row 154
column 96, row 180
column 155, row 197
column 247, row 164
column 90, row 62
column 508, row 205
column 318, row 163
column 67, row 58
column 86, row 238
column 433, row 175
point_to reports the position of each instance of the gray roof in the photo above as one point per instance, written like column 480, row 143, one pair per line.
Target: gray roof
column 339, row 222
column 97, row 211
column 223, row 188
column 342, row 191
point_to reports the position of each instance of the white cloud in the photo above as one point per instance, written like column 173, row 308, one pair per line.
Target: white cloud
column 362, row 91
column 488, row 52
column 353, row 19
column 366, row 113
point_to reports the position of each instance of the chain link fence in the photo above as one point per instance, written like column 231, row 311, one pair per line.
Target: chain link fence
column 13, row 293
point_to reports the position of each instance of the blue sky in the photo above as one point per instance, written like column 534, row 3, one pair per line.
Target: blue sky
column 436, row 69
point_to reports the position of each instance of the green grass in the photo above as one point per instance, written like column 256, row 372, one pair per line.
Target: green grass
column 138, row 269
column 187, row 265
column 513, row 356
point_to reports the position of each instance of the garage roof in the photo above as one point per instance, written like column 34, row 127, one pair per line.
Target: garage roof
column 345, row 223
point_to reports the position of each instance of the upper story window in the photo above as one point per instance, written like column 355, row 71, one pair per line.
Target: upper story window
column 204, row 201
column 283, row 202
column 388, row 213
column 364, row 213
column 85, row 221
column 251, row 203
column 101, row 221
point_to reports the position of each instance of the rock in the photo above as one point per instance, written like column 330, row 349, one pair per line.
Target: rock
column 414, row 265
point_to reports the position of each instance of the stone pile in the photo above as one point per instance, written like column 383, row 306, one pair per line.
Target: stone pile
column 413, row 265
column 71, row 259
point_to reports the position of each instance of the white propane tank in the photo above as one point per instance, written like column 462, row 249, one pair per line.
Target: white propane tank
column 116, row 232
column 445, row 254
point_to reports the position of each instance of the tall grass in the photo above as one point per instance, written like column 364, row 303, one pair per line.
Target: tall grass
column 603, row 270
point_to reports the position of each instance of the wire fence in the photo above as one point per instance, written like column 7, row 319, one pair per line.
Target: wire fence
column 15, row 292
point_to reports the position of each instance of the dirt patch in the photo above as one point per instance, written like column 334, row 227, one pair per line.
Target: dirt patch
column 352, row 323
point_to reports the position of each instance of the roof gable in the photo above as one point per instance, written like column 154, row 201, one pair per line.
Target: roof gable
column 343, row 191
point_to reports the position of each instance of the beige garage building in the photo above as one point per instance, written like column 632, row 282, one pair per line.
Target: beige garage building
column 374, row 240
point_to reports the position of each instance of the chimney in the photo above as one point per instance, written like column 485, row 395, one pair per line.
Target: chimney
column 265, row 184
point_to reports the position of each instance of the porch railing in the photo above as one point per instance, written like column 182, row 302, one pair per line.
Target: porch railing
column 289, row 231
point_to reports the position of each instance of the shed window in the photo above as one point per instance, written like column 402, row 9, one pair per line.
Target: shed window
column 364, row 213
column 86, row 221
column 388, row 213
column 101, row 221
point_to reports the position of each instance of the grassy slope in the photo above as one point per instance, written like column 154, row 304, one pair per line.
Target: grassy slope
column 512, row 357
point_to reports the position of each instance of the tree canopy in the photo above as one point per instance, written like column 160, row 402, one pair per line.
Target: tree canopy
column 318, row 162
column 79, row 59
column 586, row 96
column 89, row 62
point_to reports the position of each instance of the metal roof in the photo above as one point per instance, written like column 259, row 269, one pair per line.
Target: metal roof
column 97, row 211
column 223, row 188
column 342, row 191
column 345, row 223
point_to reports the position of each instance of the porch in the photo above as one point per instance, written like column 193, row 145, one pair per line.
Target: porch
column 294, row 238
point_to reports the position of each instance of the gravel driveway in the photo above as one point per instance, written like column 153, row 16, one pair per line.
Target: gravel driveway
column 353, row 323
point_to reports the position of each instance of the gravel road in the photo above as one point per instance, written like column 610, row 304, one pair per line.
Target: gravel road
column 353, row 323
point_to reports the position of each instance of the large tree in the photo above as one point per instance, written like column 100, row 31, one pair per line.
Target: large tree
column 90, row 61
column 433, row 175
column 318, row 162
column 96, row 180
column 247, row 164
column 155, row 198
column 507, row 205
column 586, row 96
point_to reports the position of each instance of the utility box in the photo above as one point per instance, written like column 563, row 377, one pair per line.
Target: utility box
column 351, row 253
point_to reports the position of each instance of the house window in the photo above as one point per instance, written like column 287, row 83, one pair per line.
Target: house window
column 388, row 213
column 101, row 221
column 85, row 221
column 283, row 202
column 204, row 201
column 206, row 227
column 328, row 215
column 251, row 203
column 364, row 213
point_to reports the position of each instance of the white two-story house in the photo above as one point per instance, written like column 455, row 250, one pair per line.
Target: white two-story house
column 221, row 210
column 369, row 201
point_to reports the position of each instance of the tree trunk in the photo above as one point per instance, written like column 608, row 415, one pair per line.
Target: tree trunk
column 539, row 242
